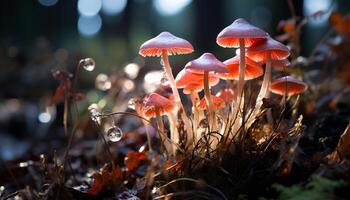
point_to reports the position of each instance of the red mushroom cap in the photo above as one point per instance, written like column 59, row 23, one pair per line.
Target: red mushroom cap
column 252, row 69
column 240, row 28
column 156, row 103
column 207, row 62
column 193, row 87
column 217, row 103
column 288, row 84
column 259, row 50
column 185, row 77
column 165, row 41
column 226, row 94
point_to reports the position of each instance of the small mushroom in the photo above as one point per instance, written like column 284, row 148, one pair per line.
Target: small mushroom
column 288, row 86
column 252, row 69
column 226, row 94
column 156, row 105
column 163, row 45
column 266, row 51
column 240, row 34
column 186, row 77
column 217, row 103
column 205, row 64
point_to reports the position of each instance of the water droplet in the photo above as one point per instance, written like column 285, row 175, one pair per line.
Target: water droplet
column 102, row 82
column 94, row 114
column 114, row 134
column 164, row 80
column 131, row 104
column 88, row 64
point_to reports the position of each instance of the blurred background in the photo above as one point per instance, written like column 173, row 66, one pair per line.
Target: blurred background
column 37, row 36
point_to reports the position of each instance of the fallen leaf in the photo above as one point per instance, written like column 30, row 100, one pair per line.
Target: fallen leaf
column 134, row 159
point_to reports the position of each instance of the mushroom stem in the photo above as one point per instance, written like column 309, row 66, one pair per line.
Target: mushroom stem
column 177, row 98
column 148, row 135
column 174, row 135
column 207, row 90
column 264, row 91
column 240, row 86
column 162, row 137
column 211, row 117
column 194, row 99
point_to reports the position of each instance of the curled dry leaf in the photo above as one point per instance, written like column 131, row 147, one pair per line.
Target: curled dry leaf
column 105, row 178
column 343, row 147
column 133, row 159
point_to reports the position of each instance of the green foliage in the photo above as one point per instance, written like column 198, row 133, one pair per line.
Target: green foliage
column 318, row 188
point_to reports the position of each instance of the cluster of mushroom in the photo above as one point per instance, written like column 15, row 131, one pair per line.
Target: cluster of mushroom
column 256, row 48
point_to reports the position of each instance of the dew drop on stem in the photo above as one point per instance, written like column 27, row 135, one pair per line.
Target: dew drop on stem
column 114, row 134
column 88, row 64
column 164, row 80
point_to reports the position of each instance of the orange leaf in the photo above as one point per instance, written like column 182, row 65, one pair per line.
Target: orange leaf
column 116, row 175
column 133, row 159
column 97, row 184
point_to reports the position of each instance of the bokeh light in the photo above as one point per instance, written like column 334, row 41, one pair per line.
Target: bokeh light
column 48, row 2
column 102, row 82
column 152, row 80
column 113, row 7
column 312, row 6
column 89, row 26
column 170, row 7
column 44, row 117
column 89, row 7
column 132, row 70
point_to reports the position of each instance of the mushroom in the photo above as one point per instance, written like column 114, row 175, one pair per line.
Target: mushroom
column 226, row 94
column 252, row 69
column 156, row 105
column 288, row 86
column 185, row 77
column 217, row 103
column 266, row 51
column 203, row 65
column 240, row 34
column 163, row 45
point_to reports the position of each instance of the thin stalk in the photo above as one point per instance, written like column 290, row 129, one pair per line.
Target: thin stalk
column 264, row 90
column 161, row 128
column 177, row 98
column 174, row 135
column 207, row 95
column 194, row 99
column 240, row 85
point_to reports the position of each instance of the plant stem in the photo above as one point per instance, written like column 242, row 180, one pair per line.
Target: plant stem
column 174, row 135
column 177, row 98
column 240, row 86
column 264, row 90
column 207, row 95
column 164, row 140
column 194, row 99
